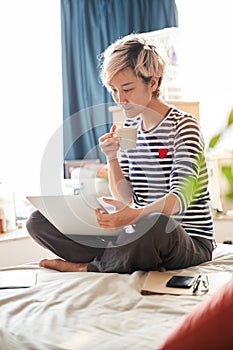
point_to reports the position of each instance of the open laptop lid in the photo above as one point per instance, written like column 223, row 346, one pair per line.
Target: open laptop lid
column 72, row 214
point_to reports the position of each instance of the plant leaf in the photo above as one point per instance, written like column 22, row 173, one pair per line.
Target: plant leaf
column 227, row 171
column 230, row 118
column 214, row 140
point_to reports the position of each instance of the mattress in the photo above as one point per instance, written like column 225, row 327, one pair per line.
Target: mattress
column 85, row 310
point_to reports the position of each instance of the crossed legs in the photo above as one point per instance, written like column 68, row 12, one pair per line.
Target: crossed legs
column 157, row 242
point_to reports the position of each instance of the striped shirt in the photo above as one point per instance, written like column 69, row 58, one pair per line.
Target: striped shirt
column 169, row 158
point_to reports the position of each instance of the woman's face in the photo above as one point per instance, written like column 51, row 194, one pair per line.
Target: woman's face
column 131, row 93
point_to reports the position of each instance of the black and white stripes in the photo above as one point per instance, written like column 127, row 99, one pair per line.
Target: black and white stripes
column 169, row 158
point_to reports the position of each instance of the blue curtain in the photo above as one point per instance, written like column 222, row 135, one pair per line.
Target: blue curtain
column 87, row 28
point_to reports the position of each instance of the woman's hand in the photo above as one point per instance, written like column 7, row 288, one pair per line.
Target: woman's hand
column 124, row 215
column 110, row 143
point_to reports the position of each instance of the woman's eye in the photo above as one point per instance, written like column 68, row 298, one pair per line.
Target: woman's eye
column 114, row 91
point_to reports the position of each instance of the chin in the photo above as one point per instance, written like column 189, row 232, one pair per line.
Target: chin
column 131, row 113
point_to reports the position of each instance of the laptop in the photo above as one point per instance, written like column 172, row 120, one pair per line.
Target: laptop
column 74, row 214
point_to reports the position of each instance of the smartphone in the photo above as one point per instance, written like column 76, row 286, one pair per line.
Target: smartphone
column 181, row 281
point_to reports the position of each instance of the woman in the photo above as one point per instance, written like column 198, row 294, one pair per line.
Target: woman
column 160, row 187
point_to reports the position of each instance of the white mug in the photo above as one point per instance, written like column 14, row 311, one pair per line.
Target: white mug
column 128, row 137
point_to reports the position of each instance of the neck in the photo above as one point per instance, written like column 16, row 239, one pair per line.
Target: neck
column 154, row 113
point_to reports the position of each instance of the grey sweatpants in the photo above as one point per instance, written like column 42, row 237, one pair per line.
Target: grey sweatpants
column 164, row 244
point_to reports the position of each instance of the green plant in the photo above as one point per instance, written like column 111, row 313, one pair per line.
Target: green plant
column 216, row 138
column 226, row 170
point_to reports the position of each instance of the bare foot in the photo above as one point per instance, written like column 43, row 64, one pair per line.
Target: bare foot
column 63, row 266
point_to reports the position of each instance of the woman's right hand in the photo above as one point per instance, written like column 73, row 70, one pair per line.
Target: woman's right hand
column 110, row 143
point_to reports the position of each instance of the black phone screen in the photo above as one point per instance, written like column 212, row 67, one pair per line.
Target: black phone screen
column 181, row 281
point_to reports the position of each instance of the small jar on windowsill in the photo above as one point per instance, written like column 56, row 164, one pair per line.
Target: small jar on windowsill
column 7, row 204
column 2, row 221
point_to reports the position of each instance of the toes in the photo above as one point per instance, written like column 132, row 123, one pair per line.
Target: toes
column 55, row 264
column 62, row 265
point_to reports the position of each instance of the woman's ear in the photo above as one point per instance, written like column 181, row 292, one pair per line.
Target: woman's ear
column 154, row 83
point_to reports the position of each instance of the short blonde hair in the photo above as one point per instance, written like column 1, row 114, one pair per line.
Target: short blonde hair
column 136, row 52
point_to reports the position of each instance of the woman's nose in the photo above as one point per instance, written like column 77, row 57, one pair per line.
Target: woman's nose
column 121, row 98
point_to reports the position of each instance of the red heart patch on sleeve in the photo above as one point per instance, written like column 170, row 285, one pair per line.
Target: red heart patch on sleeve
column 162, row 152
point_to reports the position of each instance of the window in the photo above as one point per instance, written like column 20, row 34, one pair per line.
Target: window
column 207, row 58
column 31, row 88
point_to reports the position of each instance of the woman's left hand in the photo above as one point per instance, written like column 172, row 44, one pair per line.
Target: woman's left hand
column 124, row 215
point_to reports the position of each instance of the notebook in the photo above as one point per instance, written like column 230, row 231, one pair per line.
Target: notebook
column 73, row 214
column 156, row 283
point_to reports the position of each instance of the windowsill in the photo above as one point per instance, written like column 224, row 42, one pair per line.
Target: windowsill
column 18, row 233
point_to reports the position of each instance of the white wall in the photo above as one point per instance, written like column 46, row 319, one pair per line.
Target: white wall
column 207, row 56
column 30, row 88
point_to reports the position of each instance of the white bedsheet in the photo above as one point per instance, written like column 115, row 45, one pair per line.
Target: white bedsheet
column 93, row 310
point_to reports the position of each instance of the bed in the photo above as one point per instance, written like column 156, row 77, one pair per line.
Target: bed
column 93, row 310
